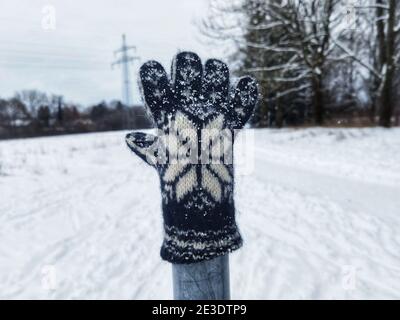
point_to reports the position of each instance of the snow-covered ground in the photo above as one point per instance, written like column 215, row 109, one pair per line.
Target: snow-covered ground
column 80, row 218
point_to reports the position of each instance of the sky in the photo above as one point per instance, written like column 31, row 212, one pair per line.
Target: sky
column 67, row 47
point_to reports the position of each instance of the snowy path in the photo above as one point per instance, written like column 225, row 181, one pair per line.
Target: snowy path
column 320, row 215
column 383, row 199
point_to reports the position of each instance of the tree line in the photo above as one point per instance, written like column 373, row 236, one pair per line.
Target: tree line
column 317, row 61
column 33, row 113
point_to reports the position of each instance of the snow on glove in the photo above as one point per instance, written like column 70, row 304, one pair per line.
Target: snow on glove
column 196, row 114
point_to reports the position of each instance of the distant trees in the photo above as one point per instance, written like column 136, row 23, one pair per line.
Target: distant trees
column 312, row 58
column 32, row 99
column 43, row 116
column 13, row 114
column 33, row 113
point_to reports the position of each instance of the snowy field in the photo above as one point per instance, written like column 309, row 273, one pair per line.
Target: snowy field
column 320, row 214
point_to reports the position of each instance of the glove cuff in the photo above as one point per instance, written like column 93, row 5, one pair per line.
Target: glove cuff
column 190, row 246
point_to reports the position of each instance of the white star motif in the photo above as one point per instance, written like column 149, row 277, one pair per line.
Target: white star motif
column 154, row 77
column 214, row 96
column 188, row 74
column 244, row 98
column 186, row 93
column 158, row 94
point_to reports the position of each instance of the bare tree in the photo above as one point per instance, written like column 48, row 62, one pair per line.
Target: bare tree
column 33, row 99
column 388, row 61
column 296, row 38
column 310, row 51
column 13, row 114
column 380, row 21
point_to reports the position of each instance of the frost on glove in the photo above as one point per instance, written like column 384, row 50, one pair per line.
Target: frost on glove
column 196, row 114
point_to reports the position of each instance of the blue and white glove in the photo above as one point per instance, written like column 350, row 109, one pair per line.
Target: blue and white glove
column 196, row 113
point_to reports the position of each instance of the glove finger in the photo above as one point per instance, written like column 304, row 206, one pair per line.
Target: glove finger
column 187, row 73
column 155, row 89
column 243, row 101
column 216, row 84
column 144, row 145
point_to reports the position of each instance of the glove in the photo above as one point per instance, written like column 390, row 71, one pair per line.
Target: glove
column 196, row 116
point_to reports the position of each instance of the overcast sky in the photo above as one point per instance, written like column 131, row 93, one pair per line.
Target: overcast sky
column 74, row 58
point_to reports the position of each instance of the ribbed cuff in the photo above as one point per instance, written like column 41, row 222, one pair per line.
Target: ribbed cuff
column 189, row 246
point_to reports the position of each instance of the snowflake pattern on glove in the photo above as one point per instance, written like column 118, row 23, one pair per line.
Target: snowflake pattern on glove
column 196, row 114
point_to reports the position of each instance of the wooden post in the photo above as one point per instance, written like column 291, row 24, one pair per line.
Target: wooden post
column 205, row 280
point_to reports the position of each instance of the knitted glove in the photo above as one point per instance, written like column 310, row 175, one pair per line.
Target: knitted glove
column 196, row 116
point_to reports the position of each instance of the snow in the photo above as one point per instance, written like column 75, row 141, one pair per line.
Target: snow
column 80, row 218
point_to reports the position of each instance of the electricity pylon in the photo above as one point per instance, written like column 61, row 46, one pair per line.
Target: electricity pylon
column 125, row 59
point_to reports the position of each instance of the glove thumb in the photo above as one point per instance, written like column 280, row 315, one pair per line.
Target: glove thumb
column 144, row 145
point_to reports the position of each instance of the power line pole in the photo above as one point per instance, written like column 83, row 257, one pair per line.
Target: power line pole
column 125, row 60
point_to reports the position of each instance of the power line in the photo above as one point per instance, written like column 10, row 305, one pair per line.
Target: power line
column 50, row 45
column 12, row 57
column 44, row 66
column 125, row 60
